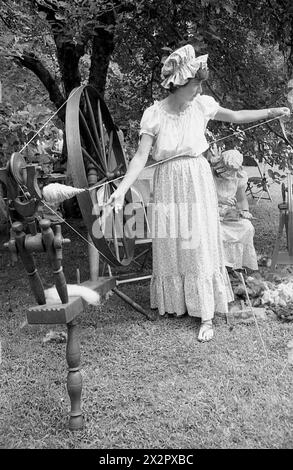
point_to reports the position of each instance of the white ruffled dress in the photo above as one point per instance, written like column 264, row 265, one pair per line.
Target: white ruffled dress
column 237, row 235
column 189, row 274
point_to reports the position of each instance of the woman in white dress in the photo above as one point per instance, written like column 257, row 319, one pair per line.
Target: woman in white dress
column 237, row 231
column 189, row 272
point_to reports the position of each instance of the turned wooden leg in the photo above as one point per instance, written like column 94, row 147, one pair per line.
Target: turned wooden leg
column 74, row 378
column 282, row 223
column 37, row 286
column 61, row 286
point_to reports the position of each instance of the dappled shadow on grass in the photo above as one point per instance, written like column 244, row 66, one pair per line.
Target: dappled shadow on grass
column 145, row 384
column 148, row 384
column 158, row 387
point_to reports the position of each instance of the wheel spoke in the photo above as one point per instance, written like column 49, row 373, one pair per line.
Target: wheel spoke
column 124, row 239
column 101, row 130
column 114, row 231
column 98, row 152
column 100, row 182
column 110, row 149
column 125, row 245
column 93, row 124
column 106, row 212
column 117, row 225
column 115, row 240
column 93, row 161
column 95, row 151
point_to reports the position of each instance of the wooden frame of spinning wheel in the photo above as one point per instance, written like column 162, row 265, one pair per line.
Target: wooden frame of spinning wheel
column 285, row 222
column 96, row 157
column 19, row 177
column 94, row 161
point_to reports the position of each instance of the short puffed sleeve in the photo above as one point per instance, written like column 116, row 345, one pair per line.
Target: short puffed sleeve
column 242, row 178
column 209, row 106
column 149, row 123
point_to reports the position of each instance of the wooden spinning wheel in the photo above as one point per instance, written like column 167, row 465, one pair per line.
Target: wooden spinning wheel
column 95, row 157
column 285, row 221
column 289, row 227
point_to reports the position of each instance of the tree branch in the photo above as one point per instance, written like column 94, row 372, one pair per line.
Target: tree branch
column 68, row 51
column 31, row 62
column 281, row 136
column 213, row 92
column 274, row 14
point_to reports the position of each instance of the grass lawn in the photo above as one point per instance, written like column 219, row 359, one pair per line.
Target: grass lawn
column 145, row 384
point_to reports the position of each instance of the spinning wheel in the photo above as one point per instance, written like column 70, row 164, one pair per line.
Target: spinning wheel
column 289, row 225
column 17, row 167
column 285, row 221
column 95, row 157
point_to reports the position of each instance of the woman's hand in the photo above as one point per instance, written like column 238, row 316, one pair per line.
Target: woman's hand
column 116, row 200
column 218, row 167
column 275, row 112
column 246, row 215
column 227, row 201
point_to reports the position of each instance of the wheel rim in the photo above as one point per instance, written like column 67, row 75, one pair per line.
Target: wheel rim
column 95, row 156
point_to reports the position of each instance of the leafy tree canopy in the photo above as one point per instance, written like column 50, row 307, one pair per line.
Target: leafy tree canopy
column 48, row 47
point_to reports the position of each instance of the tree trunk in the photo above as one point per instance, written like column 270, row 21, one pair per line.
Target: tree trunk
column 68, row 51
column 31, row 62
column 102, row 49
column 68, row 55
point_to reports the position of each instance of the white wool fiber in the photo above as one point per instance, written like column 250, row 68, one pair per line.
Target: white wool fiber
column 74, row 290
column 56, row 192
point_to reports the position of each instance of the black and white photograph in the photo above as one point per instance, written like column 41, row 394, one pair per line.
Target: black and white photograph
column 146, row 228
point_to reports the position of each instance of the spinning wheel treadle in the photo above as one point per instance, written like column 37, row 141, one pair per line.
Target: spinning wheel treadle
column 95, row 156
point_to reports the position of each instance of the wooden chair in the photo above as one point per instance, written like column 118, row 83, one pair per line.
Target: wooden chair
column 258, row 186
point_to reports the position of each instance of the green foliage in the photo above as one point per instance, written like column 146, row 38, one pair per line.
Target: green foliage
column 17, row 128
column 249, row 48
column 272, row 21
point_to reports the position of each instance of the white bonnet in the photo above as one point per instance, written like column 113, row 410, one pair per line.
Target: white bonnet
column 182, row 65
column 232, row 159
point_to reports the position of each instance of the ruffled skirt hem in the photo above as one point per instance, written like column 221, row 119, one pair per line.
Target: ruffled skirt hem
column 199, row 297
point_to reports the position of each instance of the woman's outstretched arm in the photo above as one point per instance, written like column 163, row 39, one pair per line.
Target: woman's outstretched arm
column 249, row 115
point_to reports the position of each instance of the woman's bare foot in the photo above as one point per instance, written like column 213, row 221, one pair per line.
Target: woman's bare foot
column 206, row 331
